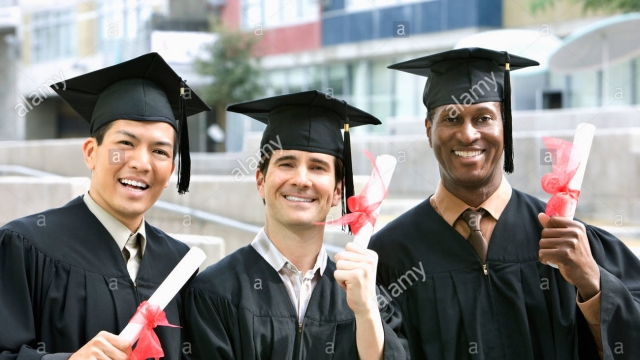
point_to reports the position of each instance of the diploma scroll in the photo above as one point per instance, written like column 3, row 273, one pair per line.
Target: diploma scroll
column 376, row 191
column 581, row 149
column 168, row 289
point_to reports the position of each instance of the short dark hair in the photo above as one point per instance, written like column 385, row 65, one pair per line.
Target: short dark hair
column 338, row 173
column 102, row 131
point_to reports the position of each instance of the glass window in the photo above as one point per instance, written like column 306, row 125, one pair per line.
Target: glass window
column 381, row 90
column 372, row 4
column 336, row 79
column 583, row 91
column 276, row 83
column 296, row 81
column 359, row 84
column 315, row 78
column 53, row 34
column 618, row 85
column 274, row 13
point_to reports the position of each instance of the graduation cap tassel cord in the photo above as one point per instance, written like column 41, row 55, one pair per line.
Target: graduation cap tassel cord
column 349, row 190
column 508, row 121
column 184, row 167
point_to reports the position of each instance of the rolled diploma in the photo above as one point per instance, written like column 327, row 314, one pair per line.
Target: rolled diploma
column 168, row 289
column 582, row 145
column 386, row 165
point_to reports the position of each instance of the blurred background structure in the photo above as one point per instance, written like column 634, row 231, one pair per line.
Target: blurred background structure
column 590, row 72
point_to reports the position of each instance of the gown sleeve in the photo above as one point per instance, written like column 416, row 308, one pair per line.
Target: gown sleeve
column 620, row 295
column 207, row 327
column 18, row 268
column 396, row 345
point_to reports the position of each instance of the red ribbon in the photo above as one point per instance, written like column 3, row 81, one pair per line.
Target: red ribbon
column 362, row 208
column 556, row 183
column 149, row 316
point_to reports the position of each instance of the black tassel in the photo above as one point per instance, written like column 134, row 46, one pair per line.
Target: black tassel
column 348, row 190
column 184, row 166
column 508, row 122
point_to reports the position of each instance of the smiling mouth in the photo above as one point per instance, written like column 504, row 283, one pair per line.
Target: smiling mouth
column 468, row 154
column 298, row 199
column 133, row 185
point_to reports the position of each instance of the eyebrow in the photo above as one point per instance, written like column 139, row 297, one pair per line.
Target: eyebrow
column 295, row 158
column 132, row 136
column 321, row 162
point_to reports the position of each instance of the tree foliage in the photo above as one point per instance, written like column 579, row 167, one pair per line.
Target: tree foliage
column 610, row 6
column 235, row 73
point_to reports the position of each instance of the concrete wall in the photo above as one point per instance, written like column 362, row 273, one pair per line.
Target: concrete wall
column 62, row 157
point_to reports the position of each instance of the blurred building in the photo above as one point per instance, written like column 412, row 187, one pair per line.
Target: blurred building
column 344, row 46
column 9, row 54
column 63, row 39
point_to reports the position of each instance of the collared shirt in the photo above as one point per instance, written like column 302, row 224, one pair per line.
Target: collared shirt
column 450, row 208
column 299, row 285
column 120, row 233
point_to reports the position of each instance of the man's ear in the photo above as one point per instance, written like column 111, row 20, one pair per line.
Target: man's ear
column 89, row 150
column 260, row 183
column 428, row 124
column 337, row 195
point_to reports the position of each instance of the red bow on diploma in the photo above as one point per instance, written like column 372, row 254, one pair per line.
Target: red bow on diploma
column 149, row 316
column 557, row 182
column 363, row 209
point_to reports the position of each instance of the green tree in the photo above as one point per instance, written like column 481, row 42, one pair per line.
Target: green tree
column 610, row 6
column 234, row 71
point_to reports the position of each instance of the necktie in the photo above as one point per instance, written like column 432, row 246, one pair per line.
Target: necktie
column 130, row 252
column 476, row 238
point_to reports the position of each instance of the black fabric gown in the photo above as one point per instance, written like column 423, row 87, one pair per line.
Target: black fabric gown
column 63, row 280
column 521, row 309
column 239, row 308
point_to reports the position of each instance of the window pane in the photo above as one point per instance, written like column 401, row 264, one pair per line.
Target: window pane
column 337, row 74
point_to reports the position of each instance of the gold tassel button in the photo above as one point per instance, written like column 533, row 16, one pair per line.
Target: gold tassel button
column 346, row 127
column 506, row 66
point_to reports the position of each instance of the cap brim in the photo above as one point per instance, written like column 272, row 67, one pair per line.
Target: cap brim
column 421, row 66
column 260, row 109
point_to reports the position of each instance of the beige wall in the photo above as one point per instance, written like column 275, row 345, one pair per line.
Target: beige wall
column 86, row 30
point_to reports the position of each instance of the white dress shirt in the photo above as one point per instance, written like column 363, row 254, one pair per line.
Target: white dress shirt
column 131, row 249
column 299, row 285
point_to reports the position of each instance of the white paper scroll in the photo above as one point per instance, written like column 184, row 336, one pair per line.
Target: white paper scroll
column 386, row 165
column 168, row 289
column 581, row 146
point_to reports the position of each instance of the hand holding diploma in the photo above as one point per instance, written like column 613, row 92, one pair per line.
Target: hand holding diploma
column 564, row 243
column 150, row 313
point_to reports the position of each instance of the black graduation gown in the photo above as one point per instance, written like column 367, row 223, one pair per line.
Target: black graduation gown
column 63, row 280
column 239, row 308
column 521, row 310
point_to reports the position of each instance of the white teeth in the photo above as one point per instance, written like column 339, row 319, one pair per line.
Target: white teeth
column 133, row 183
column 294, row 198
column 468, row 154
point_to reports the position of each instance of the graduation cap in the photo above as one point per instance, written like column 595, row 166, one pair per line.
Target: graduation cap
column 141, row 89
column 470, row 76
column 310, row 121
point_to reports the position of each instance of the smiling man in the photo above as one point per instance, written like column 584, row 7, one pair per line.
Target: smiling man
column 72, row 277
column 282, row 297
column 488, row 293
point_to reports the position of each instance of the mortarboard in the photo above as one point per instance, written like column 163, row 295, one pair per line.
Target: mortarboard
column 469, row 76
column 310, row 121
column 141, row 89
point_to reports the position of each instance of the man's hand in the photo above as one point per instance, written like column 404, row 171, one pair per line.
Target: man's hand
column 564, row 242
column 356, row 273
column 104, row 346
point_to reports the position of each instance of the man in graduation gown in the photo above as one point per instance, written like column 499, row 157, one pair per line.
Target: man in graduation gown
column 72, row 277
column 484, row 289
column 281, row 297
